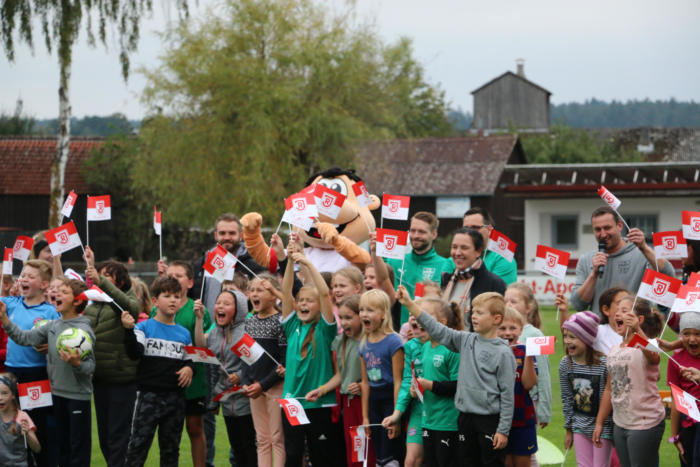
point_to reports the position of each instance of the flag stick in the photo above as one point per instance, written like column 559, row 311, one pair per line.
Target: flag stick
column 61, row 222
column 276, row 230
column 117, row 305
column 668, row 318
column 403, row 262
column 160, row 242
column 634, row 302
column 224, row 369
column 556, row 283
column 25, row 440
column 565, row 454
column 381, row 222
column 201, row 292
column 364, row 464
column 247, row 269
column 621, row 218
column 87, row 232
column 273, row 358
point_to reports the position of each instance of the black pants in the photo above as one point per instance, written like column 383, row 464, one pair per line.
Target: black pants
column 114, row 407
column 241, row 436
column 164, row 411
column 319, row 435
column 42, row 417
column 73, row 430
column 439, row 448
column 381, row 405
column 475, row 441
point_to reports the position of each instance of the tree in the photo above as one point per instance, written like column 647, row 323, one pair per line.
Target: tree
column 260, row 93
column 60, row 23
column 16, row 124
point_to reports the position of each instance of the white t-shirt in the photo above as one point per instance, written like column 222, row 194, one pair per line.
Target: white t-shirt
column 606, row 339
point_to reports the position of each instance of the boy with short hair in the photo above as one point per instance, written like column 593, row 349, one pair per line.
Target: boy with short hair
column 162, row 375
column 69, row 374
column 486, row 378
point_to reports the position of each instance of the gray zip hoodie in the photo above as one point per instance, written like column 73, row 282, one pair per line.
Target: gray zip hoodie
column 220, row 340
column 486, row 378
column 66, row 380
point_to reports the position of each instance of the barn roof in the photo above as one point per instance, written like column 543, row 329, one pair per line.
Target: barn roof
column 438, row 166
column 515, row 76
column 26, row 164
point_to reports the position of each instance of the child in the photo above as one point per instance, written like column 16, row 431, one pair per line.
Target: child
column 230, row 313
column 310, row 327
column 69, row 376
column 520, row 297
column 141, row 291
column 582, row 376
column 264, row 384
column 163, row 373
column 631, row 392
column 345, row 282
column 485, row 381
column 382, row 362
column 683, row 428
column 522, row 442
column 17, row 431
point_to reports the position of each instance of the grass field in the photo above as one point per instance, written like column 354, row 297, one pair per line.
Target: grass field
column 554, row 432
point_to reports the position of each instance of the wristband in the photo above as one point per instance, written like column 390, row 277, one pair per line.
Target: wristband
column 674, row 439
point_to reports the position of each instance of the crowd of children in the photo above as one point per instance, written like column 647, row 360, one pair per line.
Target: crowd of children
column 457, row 389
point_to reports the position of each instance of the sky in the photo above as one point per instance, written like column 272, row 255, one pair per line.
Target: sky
column 601, row 49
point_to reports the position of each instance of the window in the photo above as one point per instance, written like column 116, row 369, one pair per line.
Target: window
column 564, row 229
column 452, row 207
column 647, row 223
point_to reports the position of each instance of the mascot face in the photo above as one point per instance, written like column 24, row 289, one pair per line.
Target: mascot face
column 353, row 220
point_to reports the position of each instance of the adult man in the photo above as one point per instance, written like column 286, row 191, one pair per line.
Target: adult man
column 623, row 261
column 422, row 263
column 480, row 220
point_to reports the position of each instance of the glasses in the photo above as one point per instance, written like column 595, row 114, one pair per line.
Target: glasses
column 475, row 227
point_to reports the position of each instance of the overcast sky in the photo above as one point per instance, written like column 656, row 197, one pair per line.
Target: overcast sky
column 622, row 49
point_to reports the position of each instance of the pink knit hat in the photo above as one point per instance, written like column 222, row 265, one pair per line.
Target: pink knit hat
column 584, row 325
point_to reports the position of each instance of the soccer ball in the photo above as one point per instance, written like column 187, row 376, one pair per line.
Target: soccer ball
column 41, row 322
column 75, row 338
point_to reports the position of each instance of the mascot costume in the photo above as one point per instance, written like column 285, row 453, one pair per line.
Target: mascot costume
column 333, row 243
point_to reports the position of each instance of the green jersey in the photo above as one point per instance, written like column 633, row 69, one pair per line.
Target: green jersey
column 304, row 374
column 497, row 264
column 439, row 364
column 413, row 353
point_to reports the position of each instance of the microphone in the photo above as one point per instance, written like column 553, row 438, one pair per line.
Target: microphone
column 601, row 249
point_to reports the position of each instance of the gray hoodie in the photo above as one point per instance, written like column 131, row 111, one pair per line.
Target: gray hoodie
column 486, row 378
column 625, row 268
column 66, row 380
column 220, row 340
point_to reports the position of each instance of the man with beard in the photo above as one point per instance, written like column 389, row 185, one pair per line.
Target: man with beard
column 422, row 263
column 480, row 220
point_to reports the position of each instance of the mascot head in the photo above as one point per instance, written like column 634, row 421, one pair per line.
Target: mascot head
column 353, row 222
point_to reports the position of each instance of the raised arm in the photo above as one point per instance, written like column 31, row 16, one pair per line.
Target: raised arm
column 324, row 294
column 380, row 269
column 287, row 282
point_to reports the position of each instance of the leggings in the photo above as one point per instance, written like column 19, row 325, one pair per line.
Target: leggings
column 587, row 455
column 638, row 448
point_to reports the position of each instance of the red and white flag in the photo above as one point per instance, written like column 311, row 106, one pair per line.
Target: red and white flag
column 226, row 393
column 247, row 349
column 499, row 243
column 201, row 355
column 23, row 247
column 685, row 403
column 419, row 291
column 542, row 345
column 71, row 274
column 691, row 224
column 391, row 243
column 300, row 210
column 361, row 193
column 328, row 202
column 552, row 261
column 688, row 299
column 95, row 294
column 220, row 264
column 157, row 221
column 294, row 411
column 693, row 279
column 639, row 342
column 670, row 244
column 99, row 208
column 659, row 288
column 610, row 199
column 67, row 208
column 395, row 207
column 415, row 383
column 34, row 394
column 63, row 238
column 359, row 443
column 7, row 262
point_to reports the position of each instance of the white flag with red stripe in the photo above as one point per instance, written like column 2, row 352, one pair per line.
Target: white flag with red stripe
column 361, row 193
column 63, row 238
column 691, row 224
column 685, row 403
column 395, row 207
column 157, row 223
column 99, row 208
column 391, row 243
column 67, row 208
column 220, row 264
column 95, row 294
column 659, row 288
column 201, row 355
column 552, row 261
column 247, row 349
column 71, row 274
column 359, row 443
column 670, row 244
column 639, row 342
column 226, row 393
column 607, row 196
column 504, row 246
column 23, row 247
column 300, row 210
column 415, row 383
column 7, row 262
column 294, row 411
column 540, row 345
column 328, row 202
column 688, row 299
column 34, row 394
